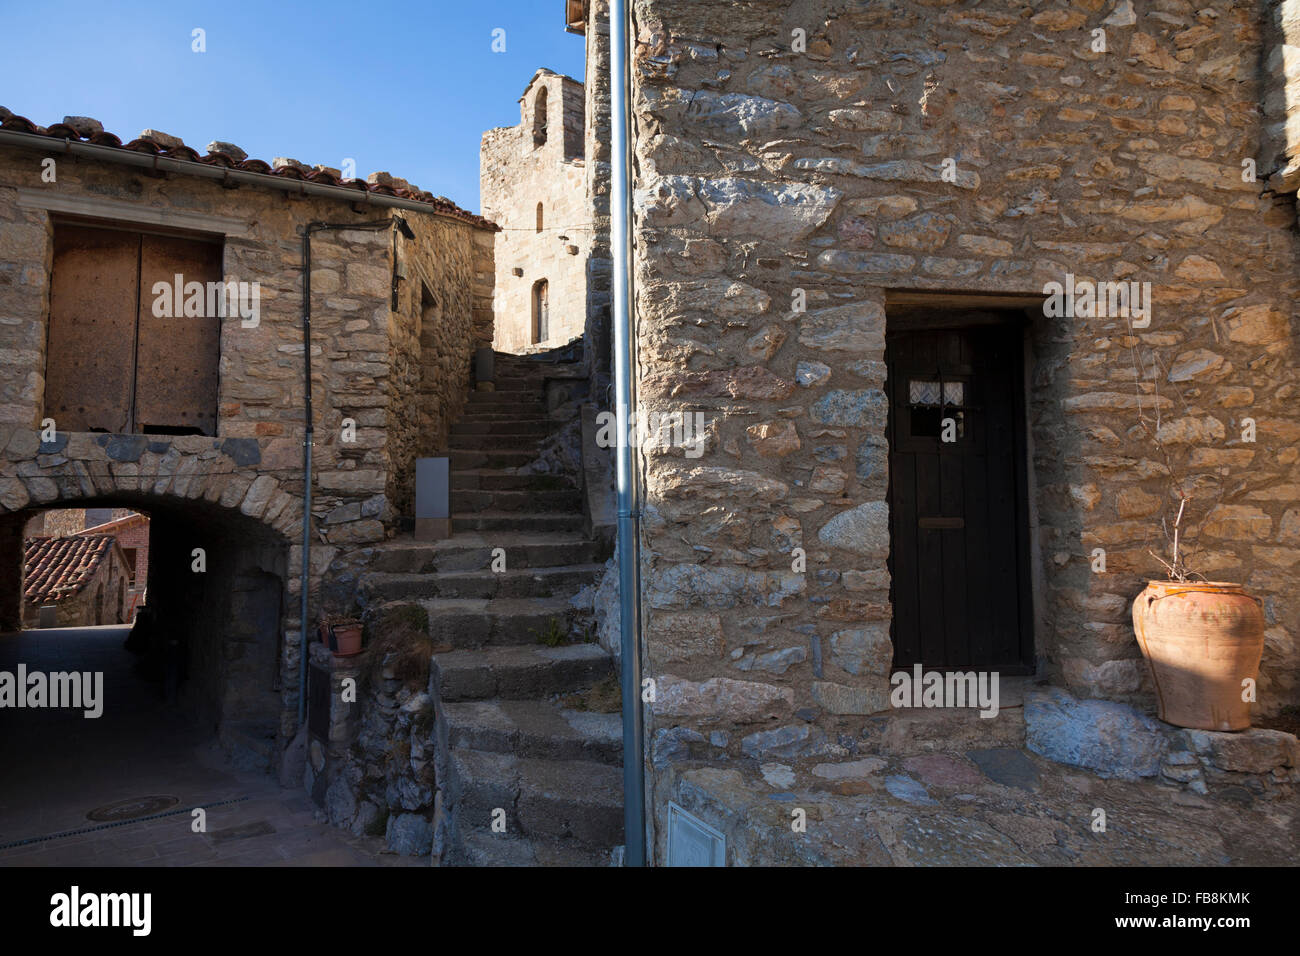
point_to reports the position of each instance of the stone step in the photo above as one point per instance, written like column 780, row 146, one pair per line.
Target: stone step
column 516, row 521
column 380, row 587
column 503, row 414
column 501, row 499
column 496, row 478
column 491, row 442
column 534, row 728
column 491, row 458
column 520, row 380
column 915, row 730
column 519, row 672
column 474, row 551
column 467, row 623
column 481, row 847
column 515, row 377
column 576, row 800
column 537, row 427
column 520, row 396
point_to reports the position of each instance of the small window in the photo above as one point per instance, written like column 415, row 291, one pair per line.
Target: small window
column 539, row 119
column 539, row 217
column 541, row 318
column 130, row 554
column 934, row 401
column 928, row 393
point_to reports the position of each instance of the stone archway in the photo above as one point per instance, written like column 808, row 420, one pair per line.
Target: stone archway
column 238, row 662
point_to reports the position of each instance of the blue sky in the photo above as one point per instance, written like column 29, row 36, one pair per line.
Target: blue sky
column 406, row 87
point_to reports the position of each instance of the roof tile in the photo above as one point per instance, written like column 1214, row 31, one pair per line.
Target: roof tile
column 163, row 144
column 57, row 568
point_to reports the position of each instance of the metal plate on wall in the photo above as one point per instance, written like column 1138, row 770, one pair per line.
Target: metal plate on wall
column 432, row 488
column 692, row 842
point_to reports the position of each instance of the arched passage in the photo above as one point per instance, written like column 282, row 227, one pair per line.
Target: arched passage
column 210, row 645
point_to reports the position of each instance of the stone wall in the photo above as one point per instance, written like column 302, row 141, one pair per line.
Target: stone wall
column 374, row 775
column 484, row 262
column 599, row 265
column 364, row 366
column 933, row 148
column 515, row 176
column 432, row 336
column 58, row 523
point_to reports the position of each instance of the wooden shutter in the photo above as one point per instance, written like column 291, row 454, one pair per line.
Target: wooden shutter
column 92, row 329
column 176, row 359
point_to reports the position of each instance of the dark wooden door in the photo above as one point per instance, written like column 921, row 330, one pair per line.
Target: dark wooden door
column 958, row 518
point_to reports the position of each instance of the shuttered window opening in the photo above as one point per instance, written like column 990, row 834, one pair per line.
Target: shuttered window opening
column 112, row 365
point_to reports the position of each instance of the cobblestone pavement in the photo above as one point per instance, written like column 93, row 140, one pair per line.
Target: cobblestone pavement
column 961, row 800
column 59, row 765
column 973, row 802
column 903, row 821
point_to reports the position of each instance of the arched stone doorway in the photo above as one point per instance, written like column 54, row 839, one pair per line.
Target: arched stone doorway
column 221, row 637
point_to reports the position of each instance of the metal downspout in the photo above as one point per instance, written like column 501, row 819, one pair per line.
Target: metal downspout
column 629, row 517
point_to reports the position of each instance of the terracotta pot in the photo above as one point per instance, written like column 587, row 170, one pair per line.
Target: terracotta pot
column 1202, row 639
column 343, row 639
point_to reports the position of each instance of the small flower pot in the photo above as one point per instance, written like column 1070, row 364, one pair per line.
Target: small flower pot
column 1203, row 640
column 342, row 637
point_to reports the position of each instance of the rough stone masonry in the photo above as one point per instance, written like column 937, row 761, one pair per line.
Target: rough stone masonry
column 840, row 156
column 533, row 184
column 395, row 324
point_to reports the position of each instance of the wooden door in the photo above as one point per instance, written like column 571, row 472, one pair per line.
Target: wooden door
column 112, row 364
column 177, row 356
column 90, row 350
column 958, row 514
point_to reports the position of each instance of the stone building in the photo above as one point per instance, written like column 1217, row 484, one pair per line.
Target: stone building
column 130, row 528
column 78, row 581
column 848, row 221
column 132, row 534
column 122, row 385
column 863, row 232
column 534, row 186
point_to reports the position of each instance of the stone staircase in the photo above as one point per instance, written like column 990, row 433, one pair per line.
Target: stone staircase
column 514, row 659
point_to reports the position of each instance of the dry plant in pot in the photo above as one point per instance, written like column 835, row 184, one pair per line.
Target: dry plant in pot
column 1202, row 639
column 340, row 634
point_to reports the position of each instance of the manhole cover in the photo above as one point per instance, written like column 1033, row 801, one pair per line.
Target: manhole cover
column 130, row 809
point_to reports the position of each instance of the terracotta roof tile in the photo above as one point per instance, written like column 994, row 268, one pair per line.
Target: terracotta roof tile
column 57, row 568
column 116, row 525
column 286, row 169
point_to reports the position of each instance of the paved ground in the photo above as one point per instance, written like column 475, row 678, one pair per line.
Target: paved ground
column 969, row 794
column 56, row 766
